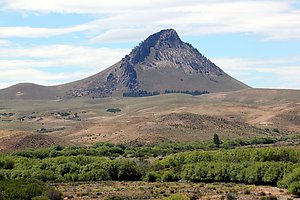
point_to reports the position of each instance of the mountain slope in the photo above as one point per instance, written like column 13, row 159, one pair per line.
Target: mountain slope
column 161, row 62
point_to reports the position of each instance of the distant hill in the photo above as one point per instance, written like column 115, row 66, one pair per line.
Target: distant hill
column 161, row 62
column 30, row 91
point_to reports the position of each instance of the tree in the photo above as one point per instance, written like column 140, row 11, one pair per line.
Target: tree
column 217, row 140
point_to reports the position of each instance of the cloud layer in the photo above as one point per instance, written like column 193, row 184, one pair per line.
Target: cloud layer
column 275, row 73
column 116, row 22
column 54, row 64
column 275, row 20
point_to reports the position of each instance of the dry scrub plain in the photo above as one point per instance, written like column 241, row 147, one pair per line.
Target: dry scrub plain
column 145, row 190
column 171, row 117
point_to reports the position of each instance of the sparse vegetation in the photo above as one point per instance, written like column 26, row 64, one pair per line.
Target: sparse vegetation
column 144, row 93
column 194, row 93
column 140, row 93
column 49, row 130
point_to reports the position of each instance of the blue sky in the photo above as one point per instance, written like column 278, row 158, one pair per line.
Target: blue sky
column 53, row 42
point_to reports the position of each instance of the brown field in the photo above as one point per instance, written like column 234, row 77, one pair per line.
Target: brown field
column 176, row 117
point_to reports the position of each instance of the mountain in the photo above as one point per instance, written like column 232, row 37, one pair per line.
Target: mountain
column 161, row 62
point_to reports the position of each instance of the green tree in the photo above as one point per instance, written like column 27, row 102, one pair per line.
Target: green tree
column 217, row 140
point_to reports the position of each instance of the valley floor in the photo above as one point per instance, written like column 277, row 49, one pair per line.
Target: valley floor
column 147, row 120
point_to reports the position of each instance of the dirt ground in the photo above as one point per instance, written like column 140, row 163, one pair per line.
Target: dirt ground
column 144, row 190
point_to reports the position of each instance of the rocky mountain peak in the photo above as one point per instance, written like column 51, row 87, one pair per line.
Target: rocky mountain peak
column 166, row 46
column 165, row 37
column 168, row 37
column 154, row 43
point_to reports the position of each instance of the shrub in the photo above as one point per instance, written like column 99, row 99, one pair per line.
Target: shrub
column 128, row 171
column 112, row 197
column 113, row 110
column 289, row 178
column 169, row 177
column 150, row 177
column 294, row 188
column 247, row 192
column 276, row 130
column 269, row 198
column 231, row 196
column 94, row 175
column 21, row 189
column 216, row 140
column 54, row 195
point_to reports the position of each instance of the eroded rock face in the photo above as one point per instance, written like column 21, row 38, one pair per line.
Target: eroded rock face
column 165, row 46
column 166, row 40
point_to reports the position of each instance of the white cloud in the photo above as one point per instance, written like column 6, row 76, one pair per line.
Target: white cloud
column 14, row 76
column 60, row 56
column 54, row 64
column 5, row 43
column 30, row 32
column 275, row 73
column 79, row 6
column 122, row 35
column 272, row 19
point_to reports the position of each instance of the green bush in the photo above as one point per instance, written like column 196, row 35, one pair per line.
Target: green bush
column 169, row 177
column 294, row 188
column 289, row 178
column 128, row 170
column 276, row 130
column 150, row 177
column 248, row 172
column 94, row 175
column 21, row 189
column 113, row 110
